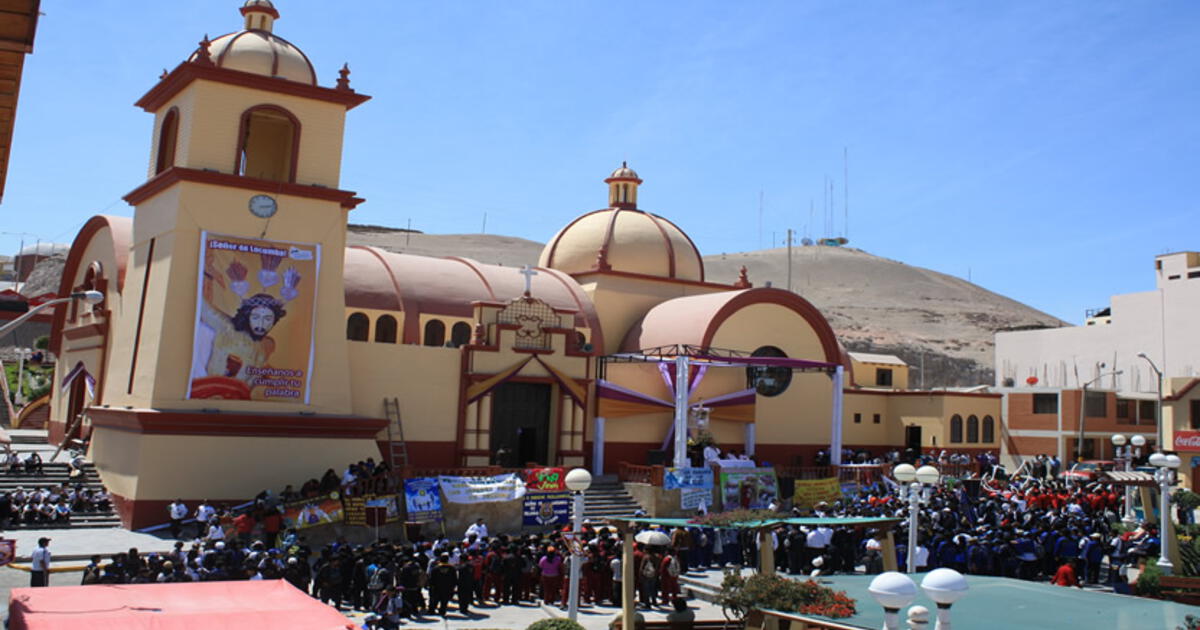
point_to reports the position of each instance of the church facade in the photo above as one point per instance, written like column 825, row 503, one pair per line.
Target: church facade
column 242, row 345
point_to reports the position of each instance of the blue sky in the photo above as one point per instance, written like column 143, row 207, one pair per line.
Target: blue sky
column 1048, row 149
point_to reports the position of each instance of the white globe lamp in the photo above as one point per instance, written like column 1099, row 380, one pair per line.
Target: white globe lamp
column 1118, row 440
column 1158, row 460
column 1173, row 461
column 1138, row 440
column 578, row 480
column 944, row 586
column 928, row 475
column 904, row 473
column 893, row 591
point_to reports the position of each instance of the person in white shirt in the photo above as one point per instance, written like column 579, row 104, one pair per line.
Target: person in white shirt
column 204, row 514
column 39, row 567
column 214, row 530
column 478, row 528
column 711, row 453
column 177, row 511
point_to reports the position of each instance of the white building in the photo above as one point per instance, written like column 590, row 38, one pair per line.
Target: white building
column 1163, row 323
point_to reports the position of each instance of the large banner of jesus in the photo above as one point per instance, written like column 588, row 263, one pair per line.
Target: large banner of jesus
column 254, row 319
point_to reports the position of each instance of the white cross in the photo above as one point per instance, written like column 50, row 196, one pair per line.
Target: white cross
column 529, row 273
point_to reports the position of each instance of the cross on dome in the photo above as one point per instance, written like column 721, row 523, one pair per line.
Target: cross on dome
column 529, row 273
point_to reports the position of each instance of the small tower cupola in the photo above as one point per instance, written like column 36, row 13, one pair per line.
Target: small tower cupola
column 260, row 15
column 622, row 188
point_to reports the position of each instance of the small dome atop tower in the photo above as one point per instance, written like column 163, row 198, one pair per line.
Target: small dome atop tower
column 257, row 50
column 622, row 187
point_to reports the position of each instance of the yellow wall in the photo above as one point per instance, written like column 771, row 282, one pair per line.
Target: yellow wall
column 424, row 379
column 216, row 467
column 621, row 302
column 88, row 350
column 865, row 374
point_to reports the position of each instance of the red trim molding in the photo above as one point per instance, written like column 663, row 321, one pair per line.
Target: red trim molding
column 185, row 73
column 176, row 174
column 786, row 299
column 83, row 332
column 155, row 422
column 596, row 271
column 920, row 392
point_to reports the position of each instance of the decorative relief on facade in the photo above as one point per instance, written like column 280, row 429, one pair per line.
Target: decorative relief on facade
column 533, row 316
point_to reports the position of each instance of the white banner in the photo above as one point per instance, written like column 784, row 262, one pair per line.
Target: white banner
column 508, row 487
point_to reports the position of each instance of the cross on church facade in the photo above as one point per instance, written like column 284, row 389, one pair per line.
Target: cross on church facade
column 529, row 273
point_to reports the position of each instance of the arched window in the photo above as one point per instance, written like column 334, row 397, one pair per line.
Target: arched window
column 956, row 429
column 460, row 334
column 268, row 144
column 972, row 429
column 769, row 381
column 358, row 327
column 385, row 329
column 989, row 429
column 580, row 340
column 435, row 332
column 168, row 136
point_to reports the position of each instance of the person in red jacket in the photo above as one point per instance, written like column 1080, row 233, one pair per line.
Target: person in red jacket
column 1067, row 575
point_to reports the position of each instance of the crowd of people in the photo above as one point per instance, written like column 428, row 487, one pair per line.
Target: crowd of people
column 45, row 505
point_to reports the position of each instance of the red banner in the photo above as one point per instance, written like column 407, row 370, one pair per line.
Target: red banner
column 545, row 479
column 1187, row 440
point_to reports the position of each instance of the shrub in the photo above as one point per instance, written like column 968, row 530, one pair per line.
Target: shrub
column 554, row 624
column 739, row 595
column 1148, row 583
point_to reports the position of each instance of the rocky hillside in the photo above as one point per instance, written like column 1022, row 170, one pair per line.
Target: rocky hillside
column 874, row 304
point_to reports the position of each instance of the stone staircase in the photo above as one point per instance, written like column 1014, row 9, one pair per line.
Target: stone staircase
column 607, row 497
column 55, row 474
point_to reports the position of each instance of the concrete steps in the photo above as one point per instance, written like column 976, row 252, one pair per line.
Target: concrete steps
column 58, row 474
column 607, row 497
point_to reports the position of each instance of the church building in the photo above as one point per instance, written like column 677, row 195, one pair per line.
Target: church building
column 242, row 345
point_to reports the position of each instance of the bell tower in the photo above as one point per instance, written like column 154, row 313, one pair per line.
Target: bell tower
column 232, row 321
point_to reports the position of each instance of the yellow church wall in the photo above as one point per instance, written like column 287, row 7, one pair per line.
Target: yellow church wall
column 184, row 466
column 211, row 116
column 170, row 313
column 87, row 350
column 621, row 302
column 184, row 103
column 865, row 431
column 424, row 379
column 117, row 455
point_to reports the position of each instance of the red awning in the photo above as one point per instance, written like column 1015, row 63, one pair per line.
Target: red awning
column 261, row 605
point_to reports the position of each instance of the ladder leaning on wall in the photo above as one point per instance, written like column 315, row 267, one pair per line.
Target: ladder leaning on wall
column 391, row 408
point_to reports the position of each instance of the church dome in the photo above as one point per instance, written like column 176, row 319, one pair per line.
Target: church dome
column 257, row 50
column 625, row 239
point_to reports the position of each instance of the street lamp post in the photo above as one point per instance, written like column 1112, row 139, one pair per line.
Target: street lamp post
column 893, row 591
column 91, row 297
column 1159, row 392
column 578, row 481
column 1127, row 454
column 1165, row 476
column 1083, row 408
column 916, row 486
column 944, row 586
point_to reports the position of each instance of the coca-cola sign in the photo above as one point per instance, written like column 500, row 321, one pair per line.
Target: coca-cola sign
column 1187, row 440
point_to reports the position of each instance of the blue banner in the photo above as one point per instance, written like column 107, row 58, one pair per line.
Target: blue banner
column 542, row 509
column 422, row 500
column 676, row 478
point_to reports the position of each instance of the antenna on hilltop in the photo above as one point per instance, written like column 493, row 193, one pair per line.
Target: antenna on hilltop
column 846, row 192
column 760, row 219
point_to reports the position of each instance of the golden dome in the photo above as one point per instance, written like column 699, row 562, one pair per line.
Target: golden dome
column 624, row 240
column 257, row 50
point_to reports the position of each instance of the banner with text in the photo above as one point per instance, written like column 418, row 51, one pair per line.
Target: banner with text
column 255, row 307
column 356, row 508
column 543, row 509
column 312, row 512
column 490, row 489
column 1187, row 440
column 545, row 479
column 809, row 492
column 422, row 500
column 749, row 488
column 675, row 478
column 694, row 498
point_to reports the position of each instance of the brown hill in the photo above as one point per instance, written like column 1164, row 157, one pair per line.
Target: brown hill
column 874, row 304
